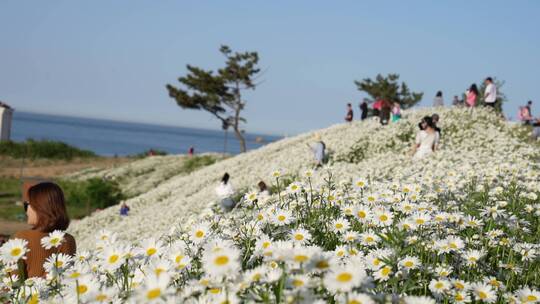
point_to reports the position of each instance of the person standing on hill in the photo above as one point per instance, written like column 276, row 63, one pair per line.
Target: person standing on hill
column 319, row 151
column 396, row 112
column 386, row 108
column 490, row 94
column 438, row 101
column 225, row 192
column 364, row 110
column 349, row 116
column 456, row 102
column 471, row 95
column 435, row 119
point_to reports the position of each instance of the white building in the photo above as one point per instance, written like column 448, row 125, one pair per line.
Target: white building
column 6, row 115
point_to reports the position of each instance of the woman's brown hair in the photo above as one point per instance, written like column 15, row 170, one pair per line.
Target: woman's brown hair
column 47, row 200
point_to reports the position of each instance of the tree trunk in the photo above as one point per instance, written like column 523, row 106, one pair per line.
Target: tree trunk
column 241, row 139
column 225, row 141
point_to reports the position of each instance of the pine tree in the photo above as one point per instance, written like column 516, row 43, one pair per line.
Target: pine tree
column 388, row 88
column 220, row 92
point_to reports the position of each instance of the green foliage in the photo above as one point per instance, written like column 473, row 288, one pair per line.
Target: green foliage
column 195, row 162
column 83, row 197
column 42, row 149
column 219, row 92
column 388, row 88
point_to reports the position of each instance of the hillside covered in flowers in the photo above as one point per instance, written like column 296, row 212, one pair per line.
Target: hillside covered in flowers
column 371, row 226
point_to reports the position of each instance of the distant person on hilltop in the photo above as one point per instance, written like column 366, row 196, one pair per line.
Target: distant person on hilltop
column 191, row 151
column 456, row 102
column 490, row 94
column 525, row 114
column 438, row 101
column 319, row 151
column 384, row 116
column 471, row 96
column 225, row 192
column 396, row 112
column 349, row 116
column 364, row 110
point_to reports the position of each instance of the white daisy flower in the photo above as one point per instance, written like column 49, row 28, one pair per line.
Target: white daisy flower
column 13, row 250
column 53, row 240
column 344, row 278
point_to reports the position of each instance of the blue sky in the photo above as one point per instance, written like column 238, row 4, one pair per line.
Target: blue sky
column 112, row 59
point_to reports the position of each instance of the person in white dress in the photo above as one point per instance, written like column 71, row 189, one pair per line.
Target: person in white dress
column 224, row 192
column 426, row 140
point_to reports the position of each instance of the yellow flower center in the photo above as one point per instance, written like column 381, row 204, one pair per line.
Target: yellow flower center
column 82, row 289
column 300, row 258
column 260, row 217
column 344, row 277
column 420, row 221
column 16, row 251
column 298, row 237
column 361, row 214
column 409, row 264
column 459, row 286
column 158, row 271
column 153, row 293
column 74, row 275
column 281, row 218
column 113, row 258
column 439, row 285
column 386, row 270
column 482, row 295
column 376, row 262
column 322, row 265
column 298, row 283
column 459, row 297
column 531, row 298
column 221, row 260
column 383, row 218
column 59, row 264
column 101, row 297
column 215, row 290
column 55, row 241
column 339, row 225
column 265, row 245
column 369, row 239
column 199, row 234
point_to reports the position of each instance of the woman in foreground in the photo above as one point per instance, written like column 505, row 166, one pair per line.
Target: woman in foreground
column 46, row 212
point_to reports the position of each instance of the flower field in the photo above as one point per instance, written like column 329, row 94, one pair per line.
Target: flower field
column 139, row 176
column 372, row 226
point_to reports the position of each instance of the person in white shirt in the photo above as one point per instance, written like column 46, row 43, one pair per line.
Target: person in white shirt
column 490, row 94
column 225, row 191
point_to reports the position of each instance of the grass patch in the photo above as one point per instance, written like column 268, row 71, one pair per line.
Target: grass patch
column 33, row 149
column 195, row 162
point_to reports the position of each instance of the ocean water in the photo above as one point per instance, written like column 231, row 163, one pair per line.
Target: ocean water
column 109, row 138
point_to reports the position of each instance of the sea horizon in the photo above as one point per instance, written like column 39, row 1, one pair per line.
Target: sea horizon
column 108, row 137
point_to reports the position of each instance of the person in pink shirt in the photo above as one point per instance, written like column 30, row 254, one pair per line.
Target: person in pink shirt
column 472, row 95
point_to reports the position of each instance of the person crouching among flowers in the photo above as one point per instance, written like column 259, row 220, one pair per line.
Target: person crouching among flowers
column 46, row 212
